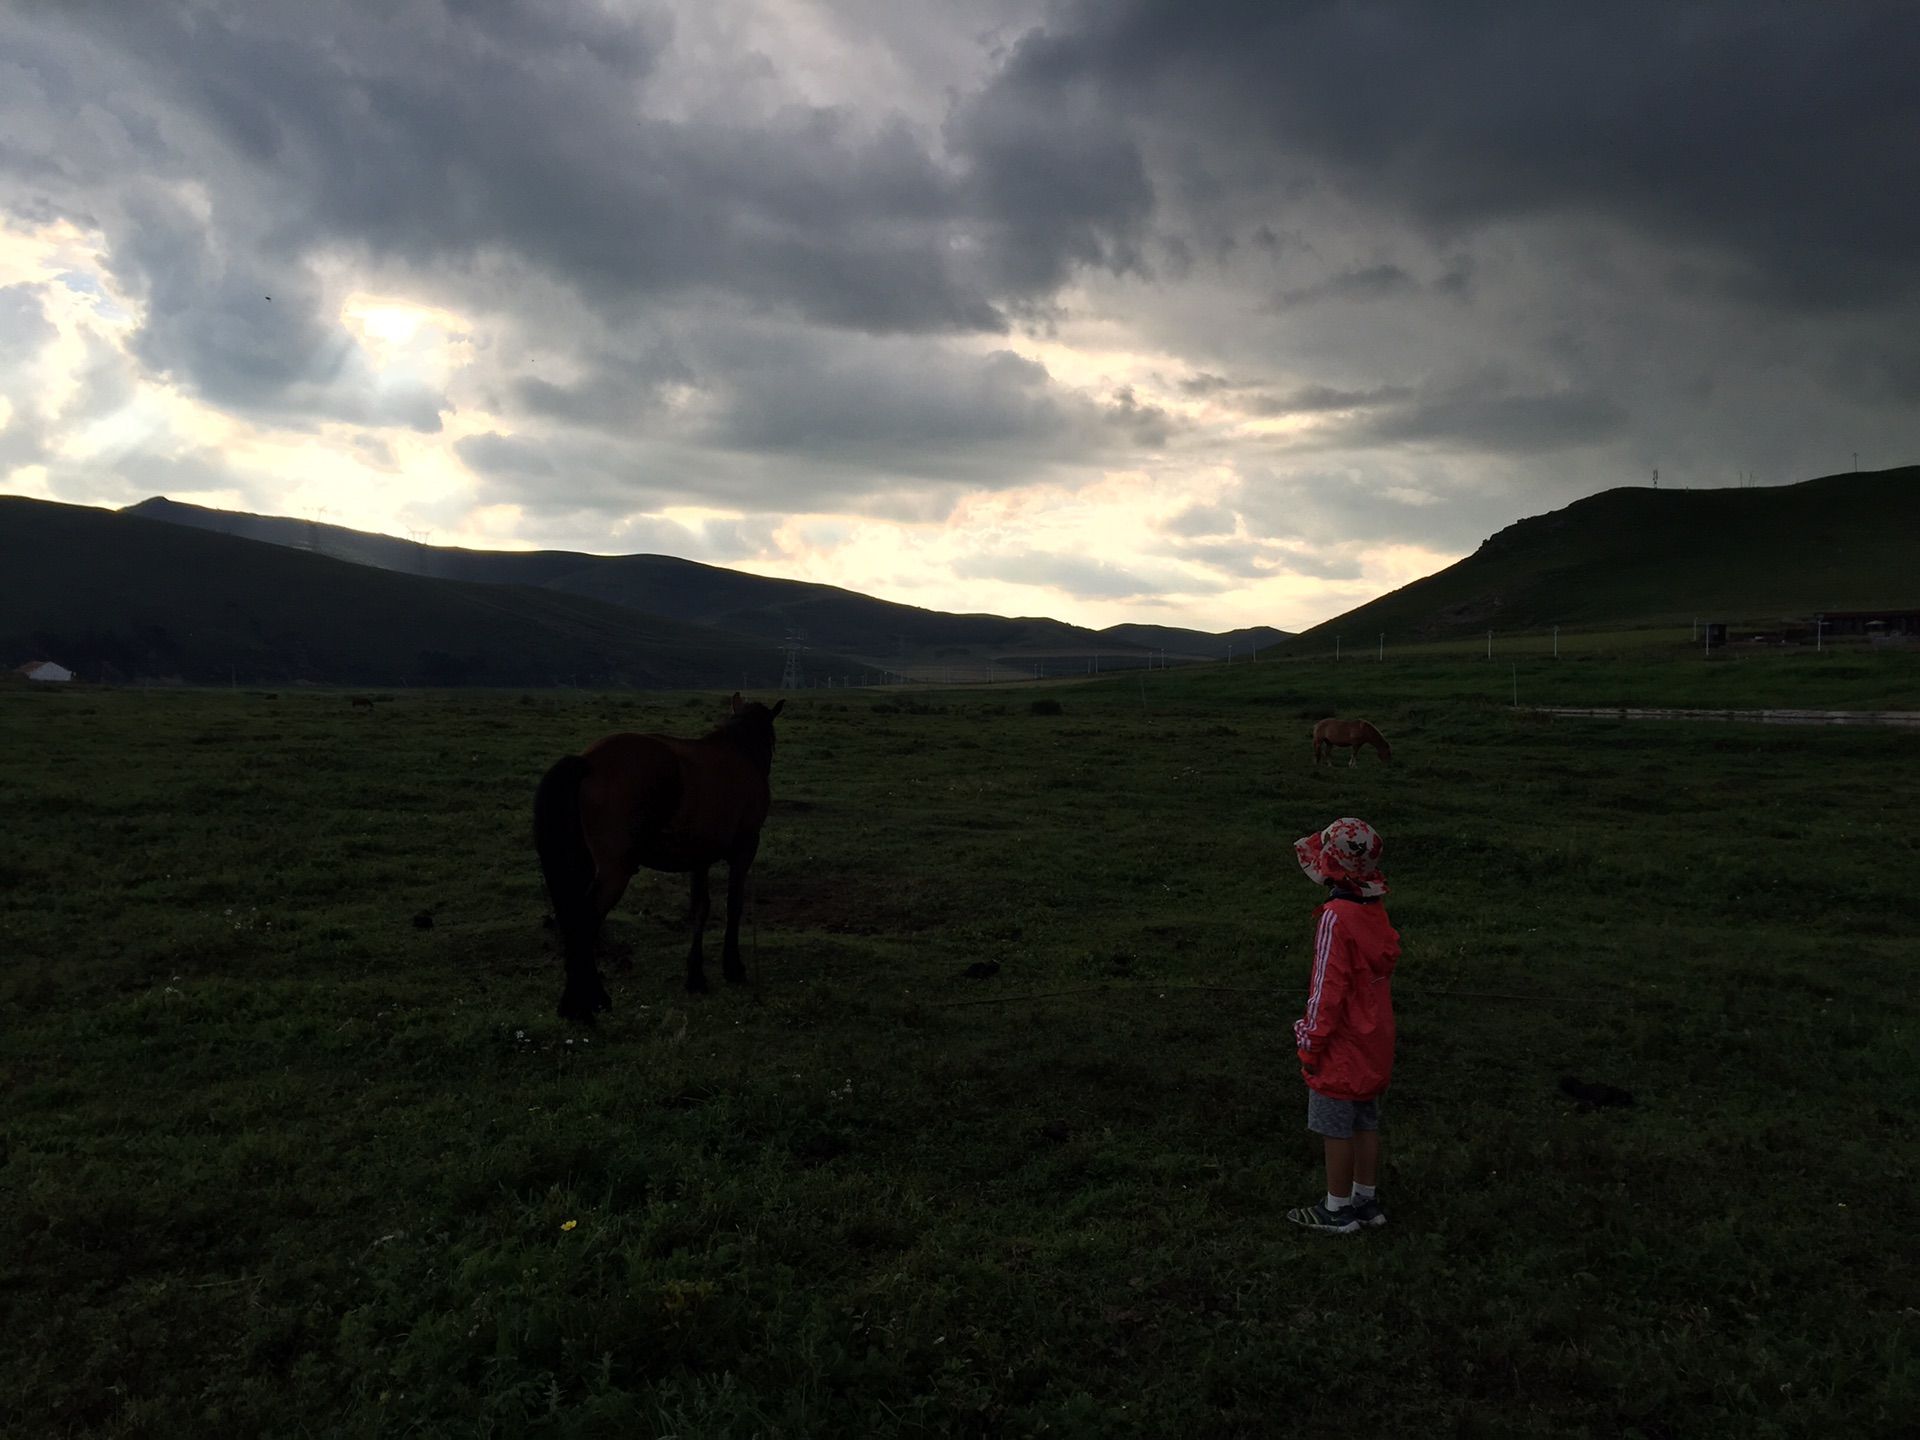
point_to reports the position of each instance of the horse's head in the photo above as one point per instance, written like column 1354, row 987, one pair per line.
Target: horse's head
column 749, row 724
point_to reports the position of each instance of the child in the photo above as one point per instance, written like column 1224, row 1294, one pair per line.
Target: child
column 1345, row 1040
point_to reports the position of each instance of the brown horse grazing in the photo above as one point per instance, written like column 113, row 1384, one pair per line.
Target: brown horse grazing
column 1351, row 733
column 665, row 803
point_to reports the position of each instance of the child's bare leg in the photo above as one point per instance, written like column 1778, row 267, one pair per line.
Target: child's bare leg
column 1339, row 1168
column 1366, row 1156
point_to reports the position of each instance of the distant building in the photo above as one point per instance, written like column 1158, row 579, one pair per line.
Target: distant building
column 43, row 670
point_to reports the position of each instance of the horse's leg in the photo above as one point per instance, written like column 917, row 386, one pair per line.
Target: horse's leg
column 696, row 970
column 586, row 986
column 738, row 864
column 1353, row 757
column 586, row 989
column 608, row 887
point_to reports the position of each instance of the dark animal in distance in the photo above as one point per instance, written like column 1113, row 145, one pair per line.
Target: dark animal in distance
column 661, row 802
column 1351, row 733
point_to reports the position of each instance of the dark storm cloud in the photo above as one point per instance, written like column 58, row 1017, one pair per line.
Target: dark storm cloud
column 1512, row 424
column 1374, row 282
column 1779, row 136
column 433, row 133
column 885, row 401
column 244, row 335
column 249, row 140
column 1053, row 172
column 1314, row 399
column 1207, row 384
column 839, row 413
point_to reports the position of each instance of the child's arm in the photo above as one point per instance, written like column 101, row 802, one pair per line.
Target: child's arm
column 1327, row 994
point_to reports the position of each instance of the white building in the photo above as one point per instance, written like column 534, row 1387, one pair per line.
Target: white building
column 44, row 670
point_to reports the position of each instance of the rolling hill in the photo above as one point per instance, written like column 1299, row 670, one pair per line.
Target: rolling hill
column 115, row 596
column 876, row 632
column 1636, row 556
column 1176, row 641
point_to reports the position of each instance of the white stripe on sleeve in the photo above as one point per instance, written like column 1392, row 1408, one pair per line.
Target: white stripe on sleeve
column 1322, row 948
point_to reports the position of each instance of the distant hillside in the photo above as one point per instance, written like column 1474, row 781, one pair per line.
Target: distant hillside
column 117, row 596
column 1635, row 557
column 877, row 632
column 1183, row 643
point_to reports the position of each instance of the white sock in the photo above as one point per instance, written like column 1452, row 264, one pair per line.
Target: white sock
column 1338, row 1202
column 1362, row 1192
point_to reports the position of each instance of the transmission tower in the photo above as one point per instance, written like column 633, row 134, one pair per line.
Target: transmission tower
column 790, row 675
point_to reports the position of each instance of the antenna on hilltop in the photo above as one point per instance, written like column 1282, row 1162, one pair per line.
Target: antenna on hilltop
column 790, row 673
column 1656, row 477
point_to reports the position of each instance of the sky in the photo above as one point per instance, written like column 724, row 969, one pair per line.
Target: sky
column 1194, row 313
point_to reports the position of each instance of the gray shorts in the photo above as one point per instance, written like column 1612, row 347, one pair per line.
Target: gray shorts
column 1338, row 1119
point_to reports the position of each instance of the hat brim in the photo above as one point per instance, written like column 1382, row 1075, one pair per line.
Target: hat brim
column 1310, row 851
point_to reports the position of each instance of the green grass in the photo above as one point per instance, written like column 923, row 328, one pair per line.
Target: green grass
column 280, row 1163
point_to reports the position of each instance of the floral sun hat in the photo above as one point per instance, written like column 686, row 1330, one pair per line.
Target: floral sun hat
column 1347, row 852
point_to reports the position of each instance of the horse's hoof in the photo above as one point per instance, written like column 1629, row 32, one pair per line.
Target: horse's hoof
column 572, row 1010
column 697, row 985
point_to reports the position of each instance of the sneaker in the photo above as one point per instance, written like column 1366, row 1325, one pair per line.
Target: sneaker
column 1327, row 1222
column 1368, row 1212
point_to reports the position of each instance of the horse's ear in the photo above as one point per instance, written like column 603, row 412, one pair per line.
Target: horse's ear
column 734, row 702
column 778, row 706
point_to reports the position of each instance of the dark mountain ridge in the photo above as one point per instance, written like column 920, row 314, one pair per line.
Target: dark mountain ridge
column 116, row 596
column 1641, row 557
column 877, row 632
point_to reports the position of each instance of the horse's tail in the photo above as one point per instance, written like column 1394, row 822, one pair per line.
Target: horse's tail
column 565, row 860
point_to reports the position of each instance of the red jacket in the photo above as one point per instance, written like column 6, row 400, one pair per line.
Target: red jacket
column 1345, row 1040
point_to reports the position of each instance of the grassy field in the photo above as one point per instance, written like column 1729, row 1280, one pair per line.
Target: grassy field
column 278, row 1161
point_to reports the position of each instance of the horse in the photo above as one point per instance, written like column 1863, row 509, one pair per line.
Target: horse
column 669, row 804
column 1351, row 733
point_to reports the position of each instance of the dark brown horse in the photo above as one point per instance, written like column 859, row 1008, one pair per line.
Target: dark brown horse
column 665, row 803
column 1351, row 733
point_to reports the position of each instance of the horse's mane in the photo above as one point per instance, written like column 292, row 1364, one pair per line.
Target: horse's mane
column 749, row 730
column 747, row 720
